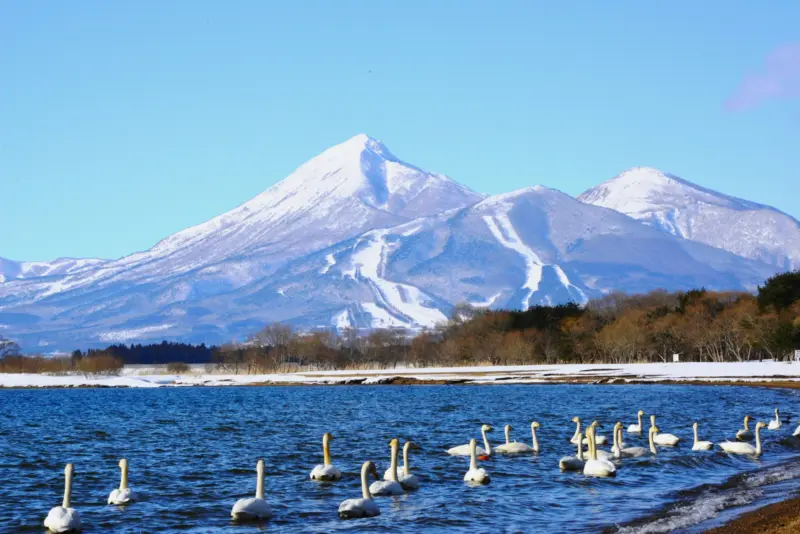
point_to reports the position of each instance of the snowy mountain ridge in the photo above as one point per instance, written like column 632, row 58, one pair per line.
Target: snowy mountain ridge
column 687, row 210
column 357, row 238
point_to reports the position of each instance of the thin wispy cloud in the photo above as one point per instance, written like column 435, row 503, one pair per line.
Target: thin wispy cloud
column 778, row 79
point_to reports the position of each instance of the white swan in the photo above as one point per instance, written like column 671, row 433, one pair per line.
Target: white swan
column 254, row 508
column 745, row 434
column 515, row 447
column 365, row 506
column 637, row 428
column 796, row 431
column 670, row 440
column 476, row 474
column 738, row 447
column 700, row 445
column 391, row 486
column 123, row 494
column 464, row 450
column 407, row 480
column 573, row 463
column 326, row 472
column 593, row 466
column 600, row 440
column 775, row 424
column 620, row 450
column 64, row 518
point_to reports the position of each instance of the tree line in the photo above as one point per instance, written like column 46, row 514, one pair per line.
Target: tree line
column 699, row 325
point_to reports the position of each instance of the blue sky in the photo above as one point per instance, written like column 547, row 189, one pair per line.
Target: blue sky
column 122, row 123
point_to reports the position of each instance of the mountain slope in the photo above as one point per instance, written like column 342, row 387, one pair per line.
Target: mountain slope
column 684, row 209
column 15, row 270
column 533, row 246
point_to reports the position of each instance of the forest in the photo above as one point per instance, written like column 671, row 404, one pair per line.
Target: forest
column 699, row 325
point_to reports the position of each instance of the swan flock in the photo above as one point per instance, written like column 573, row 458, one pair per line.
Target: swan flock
column 592, row 463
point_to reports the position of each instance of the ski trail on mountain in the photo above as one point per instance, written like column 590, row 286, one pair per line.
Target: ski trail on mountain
column 506, row 235
column 404, row 302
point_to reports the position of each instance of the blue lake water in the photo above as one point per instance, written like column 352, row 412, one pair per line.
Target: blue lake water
column 192, row 454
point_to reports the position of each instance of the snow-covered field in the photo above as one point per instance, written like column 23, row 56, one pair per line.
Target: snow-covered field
column 525, row 374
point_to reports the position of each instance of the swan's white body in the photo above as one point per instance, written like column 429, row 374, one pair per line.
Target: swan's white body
column 700, row 445
column 254, row 508
column 637, row 428
column 775, row 424
column 391, row 486
column 573, row 463
column 365, row 506
column 326, row 472
column 406, row 479
column 515, row 447
column 64, row 518
column 123, row 494
column 745, row 434
column 620, row 451
column 796, row 431
column 669, row 440
column 464, row 450
column 593, row 466
column 738, row 447
column 476, row 475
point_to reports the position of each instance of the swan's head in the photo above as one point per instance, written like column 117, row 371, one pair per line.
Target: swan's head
column 694, row 425
column 747, row 419
column 654, row 430
column 760, row 425
column 486, row 428
column 370, row 468
column 535, row 424
column 260, row 466
column 640, row 412
column 123, row 463
column 595, row 424
column 327, row 436
column 69, row 470
column 617, row 425
column 576, row 419
column 653, row 420
column 412, row 446
column 508, row 427
column 394, row 442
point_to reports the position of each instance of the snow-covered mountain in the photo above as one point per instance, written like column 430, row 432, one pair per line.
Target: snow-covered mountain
column 14, row 270
column 355, row 237
column 687, row 210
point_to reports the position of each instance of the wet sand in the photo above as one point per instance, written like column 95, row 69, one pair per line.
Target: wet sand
column 779, row 518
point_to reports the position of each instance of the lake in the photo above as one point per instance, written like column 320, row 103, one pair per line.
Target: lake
column 192, row 454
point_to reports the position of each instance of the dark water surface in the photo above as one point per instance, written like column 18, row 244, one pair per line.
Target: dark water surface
column 192, row 454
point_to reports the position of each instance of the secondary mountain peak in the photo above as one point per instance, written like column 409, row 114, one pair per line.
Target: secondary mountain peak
column 688, row 210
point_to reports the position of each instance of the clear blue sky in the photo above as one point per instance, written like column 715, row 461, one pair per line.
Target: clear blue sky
column 124, row 122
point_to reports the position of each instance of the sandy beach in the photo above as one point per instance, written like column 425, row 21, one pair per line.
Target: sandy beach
column 778, row 518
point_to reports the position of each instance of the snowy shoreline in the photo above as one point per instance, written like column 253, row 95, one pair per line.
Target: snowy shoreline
column 729, row 372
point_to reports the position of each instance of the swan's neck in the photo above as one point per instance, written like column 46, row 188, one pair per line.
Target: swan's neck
column 578, row 429
column 326, row 451
column 758, row 441
column 364, row 483
column 406, row 466
column 67, row 487
column 473, row 456
column 652, row 421
column 580, row 446
column 592, row 445
column 486, row 443
column 260, row 480
column 123, row 483
column 639, row 417
column 652, row 443
column 617, row 441
column 508, row 435
column 394, row 462
column 696, row 439
column 746, row 423
column 535, row 440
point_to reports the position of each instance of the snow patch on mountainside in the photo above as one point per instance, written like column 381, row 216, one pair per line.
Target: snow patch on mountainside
column 504, row 232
